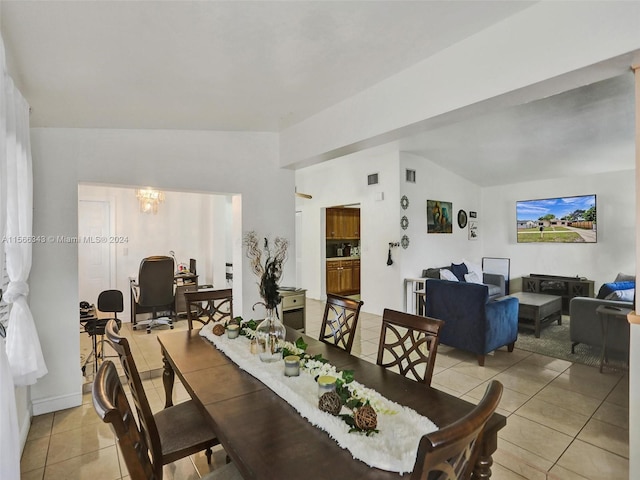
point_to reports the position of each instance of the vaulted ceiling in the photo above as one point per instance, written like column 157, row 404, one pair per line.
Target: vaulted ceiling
column 263, row 66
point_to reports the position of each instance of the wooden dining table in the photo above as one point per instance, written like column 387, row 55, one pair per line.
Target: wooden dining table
column 267, row 439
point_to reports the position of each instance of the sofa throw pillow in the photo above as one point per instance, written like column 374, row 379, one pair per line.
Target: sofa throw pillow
column 609, row 288
column 472, row 277
column 459, row 270
column 623, row 277
column 448, row 275
column 431, row 273
column 473, row 267
column 622, row 295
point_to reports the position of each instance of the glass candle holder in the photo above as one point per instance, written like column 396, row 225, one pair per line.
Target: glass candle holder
column 233, row 330
column 291, row 366
column 326, row 384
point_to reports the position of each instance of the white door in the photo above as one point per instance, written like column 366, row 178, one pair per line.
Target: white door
column 95, row 258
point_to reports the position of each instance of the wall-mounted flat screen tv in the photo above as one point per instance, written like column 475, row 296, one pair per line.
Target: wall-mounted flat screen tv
column 557, row 220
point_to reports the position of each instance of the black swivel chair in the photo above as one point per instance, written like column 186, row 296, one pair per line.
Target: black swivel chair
column 155, row 290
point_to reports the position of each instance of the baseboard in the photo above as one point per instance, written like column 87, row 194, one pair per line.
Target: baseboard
column 54, row 404
column 24, row 424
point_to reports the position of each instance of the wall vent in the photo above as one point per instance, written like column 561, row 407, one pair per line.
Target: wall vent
column 411, row 176
column 372, row 179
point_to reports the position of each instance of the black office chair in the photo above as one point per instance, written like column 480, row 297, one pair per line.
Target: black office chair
column 155, row 290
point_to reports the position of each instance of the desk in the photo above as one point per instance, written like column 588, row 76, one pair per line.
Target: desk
column 183, row 281
column 267, row 439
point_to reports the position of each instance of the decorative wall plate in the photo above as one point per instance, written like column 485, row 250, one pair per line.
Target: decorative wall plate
column 462, row 218
column 404, row 222
column 404, row 242
column 404, row 202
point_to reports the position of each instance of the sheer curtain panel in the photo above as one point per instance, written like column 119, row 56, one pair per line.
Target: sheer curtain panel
column 21, row 360
column 23, row 345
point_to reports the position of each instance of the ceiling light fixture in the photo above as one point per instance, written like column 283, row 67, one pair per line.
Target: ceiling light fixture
column 149, row 199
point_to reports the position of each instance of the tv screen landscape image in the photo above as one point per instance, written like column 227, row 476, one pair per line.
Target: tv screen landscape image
column 557, row 220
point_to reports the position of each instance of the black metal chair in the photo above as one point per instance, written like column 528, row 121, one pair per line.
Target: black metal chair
column 155, row 290
column 109, row 301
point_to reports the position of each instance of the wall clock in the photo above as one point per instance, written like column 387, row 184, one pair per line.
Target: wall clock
column 404, row 222
column 462, row 218
column 404, row 202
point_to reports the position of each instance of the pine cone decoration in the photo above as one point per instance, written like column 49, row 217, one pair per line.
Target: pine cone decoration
column 218, row 329
column 366, row 418
column 330, row 402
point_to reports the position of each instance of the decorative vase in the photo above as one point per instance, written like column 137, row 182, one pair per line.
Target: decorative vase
column 270, row 335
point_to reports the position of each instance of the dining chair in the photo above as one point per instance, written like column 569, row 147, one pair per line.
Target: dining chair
column 155, row 290
column 207, row 304
column 137, row 445
column 409, row 342
column 173, row 433
column 450, row 452
column 340, row 321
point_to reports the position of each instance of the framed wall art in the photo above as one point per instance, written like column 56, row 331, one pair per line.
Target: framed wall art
column 473, row 230
column 439, row 216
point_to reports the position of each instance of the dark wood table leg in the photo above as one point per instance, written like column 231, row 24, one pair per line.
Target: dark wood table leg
column 168, row 376
column 484, row 461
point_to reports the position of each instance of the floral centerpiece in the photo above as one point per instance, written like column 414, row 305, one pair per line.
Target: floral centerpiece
column 271, row 332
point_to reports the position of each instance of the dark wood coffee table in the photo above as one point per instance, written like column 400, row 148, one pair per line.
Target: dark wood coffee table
column 538, row 310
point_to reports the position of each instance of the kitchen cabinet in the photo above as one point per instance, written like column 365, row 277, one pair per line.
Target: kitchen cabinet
column 343, row 223
column 343, row 277
column 355, row 276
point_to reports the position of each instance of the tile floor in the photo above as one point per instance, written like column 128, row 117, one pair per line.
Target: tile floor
column 565, row 421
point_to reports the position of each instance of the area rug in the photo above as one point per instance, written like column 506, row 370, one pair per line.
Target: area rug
column 555, row 342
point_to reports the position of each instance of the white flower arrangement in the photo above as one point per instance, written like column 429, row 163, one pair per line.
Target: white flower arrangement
column 317, row 368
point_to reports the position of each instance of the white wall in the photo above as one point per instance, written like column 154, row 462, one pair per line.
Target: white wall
column 436, row 250
column 614, row 252
column 214, row 162
column 193, row 225
column 344, row 182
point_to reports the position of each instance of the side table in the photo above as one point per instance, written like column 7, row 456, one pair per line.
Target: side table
column 607, row 314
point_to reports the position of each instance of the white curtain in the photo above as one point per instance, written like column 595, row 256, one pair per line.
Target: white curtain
column 9, row 434
column 23, row 346
column 21, row 360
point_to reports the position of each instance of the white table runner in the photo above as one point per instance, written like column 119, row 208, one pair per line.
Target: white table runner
column 394, row 448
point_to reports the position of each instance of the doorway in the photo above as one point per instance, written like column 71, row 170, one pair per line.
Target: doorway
column 96, row 259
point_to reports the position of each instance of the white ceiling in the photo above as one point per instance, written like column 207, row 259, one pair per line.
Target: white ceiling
column 264, row 65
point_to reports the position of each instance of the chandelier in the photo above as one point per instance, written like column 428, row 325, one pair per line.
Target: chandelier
column 149, row 199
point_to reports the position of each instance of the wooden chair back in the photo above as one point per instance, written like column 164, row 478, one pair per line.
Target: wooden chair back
column 340, row 321
column 450, row 452
column 148, row 427
column 206, row 305
column 111, row 404
column 409, row 342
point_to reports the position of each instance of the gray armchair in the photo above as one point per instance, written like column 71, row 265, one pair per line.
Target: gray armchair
column 494, row 282
column 585, row 327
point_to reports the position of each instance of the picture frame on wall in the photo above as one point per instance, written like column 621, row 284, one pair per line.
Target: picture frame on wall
column 473, row 229
column 439, row 216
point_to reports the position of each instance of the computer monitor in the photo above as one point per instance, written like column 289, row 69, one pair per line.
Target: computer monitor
column 192, row 266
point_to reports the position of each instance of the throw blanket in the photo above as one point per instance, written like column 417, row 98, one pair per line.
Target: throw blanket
column 394, row 448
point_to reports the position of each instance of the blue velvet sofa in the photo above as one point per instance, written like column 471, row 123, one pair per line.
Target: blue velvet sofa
column 472, row 322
